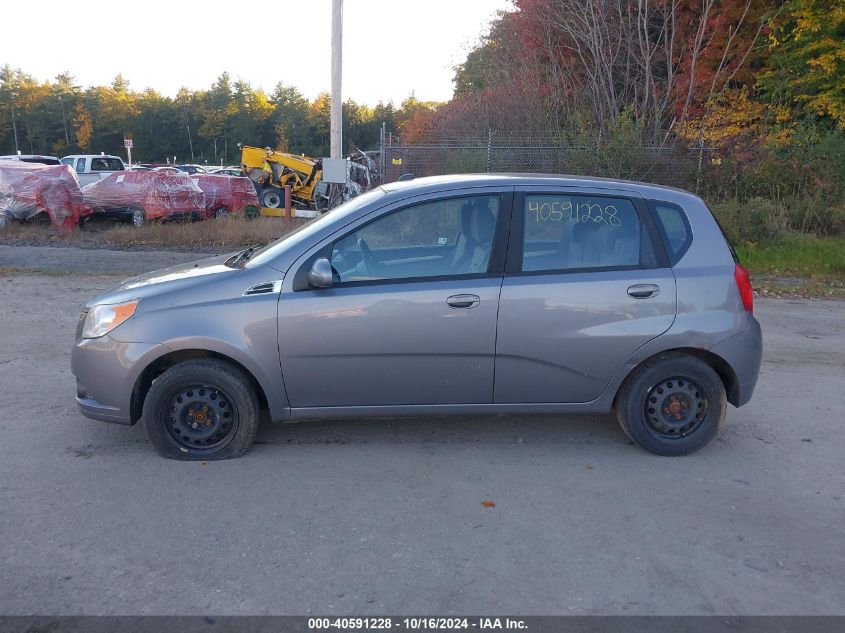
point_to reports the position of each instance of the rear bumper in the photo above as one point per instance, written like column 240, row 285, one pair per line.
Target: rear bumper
column 744, row 353
column 106, row 373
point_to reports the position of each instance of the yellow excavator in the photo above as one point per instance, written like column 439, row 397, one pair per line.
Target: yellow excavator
column 271, row 171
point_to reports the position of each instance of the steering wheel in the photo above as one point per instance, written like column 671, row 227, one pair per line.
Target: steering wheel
column 368, row 258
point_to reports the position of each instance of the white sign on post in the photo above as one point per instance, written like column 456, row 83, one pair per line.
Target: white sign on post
column 127, row 143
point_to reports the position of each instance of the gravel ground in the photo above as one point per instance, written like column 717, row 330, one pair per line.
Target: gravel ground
column 378, row 517
column 52, row 259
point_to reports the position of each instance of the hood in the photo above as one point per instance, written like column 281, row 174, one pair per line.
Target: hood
column 169, row 279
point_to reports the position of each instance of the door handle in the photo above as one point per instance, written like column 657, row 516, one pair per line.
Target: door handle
column 643, row 291
column 463, row 301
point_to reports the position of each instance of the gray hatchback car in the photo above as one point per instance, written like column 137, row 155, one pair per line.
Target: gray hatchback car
column 482, row 294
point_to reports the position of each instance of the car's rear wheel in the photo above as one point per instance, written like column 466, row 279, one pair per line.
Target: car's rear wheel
column 673, row 404
column 201, row 410
column 139, row 217
column 221, row 214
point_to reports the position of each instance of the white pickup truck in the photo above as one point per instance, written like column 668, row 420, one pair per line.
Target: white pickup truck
column 93, row 167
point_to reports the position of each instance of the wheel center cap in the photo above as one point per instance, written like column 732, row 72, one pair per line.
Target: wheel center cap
column 675, row 407
column 199, row 415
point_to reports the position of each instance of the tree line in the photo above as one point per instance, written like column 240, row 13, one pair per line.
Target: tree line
column 757, row 86
column 59, row 117
column 692, row 69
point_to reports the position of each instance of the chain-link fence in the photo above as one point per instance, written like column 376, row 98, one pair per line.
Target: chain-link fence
column 520, row 153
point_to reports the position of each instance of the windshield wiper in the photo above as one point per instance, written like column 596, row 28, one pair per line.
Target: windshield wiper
column 242, row 257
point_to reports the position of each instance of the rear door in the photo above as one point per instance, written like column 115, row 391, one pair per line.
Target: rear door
column 587, row 283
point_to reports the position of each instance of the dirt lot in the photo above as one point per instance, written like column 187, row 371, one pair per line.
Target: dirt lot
column 386, row 516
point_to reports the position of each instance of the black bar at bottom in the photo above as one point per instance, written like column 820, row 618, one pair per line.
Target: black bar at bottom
column 402, row 624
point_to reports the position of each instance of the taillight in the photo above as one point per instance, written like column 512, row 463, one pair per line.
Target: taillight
column 743, row 284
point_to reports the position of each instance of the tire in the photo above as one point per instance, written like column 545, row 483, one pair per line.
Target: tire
column 673, row 404
column 138, row 218
column 187, row 408
column 221, row 214
column 272, row 198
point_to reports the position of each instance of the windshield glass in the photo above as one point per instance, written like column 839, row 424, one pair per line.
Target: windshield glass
column 302, row 233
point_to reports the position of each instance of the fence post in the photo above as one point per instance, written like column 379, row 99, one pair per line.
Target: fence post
column 700, row 162
column 382, row 157
column 489, row 143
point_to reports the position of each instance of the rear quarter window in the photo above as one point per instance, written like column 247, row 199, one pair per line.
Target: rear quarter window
column 674, row 228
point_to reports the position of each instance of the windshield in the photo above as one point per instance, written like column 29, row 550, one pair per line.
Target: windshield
column 301, row 234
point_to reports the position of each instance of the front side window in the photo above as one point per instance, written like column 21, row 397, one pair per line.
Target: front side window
column 67, row 161
column 444, row 237
column 572, row 232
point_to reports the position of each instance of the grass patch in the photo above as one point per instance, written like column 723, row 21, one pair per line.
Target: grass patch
column 208, row 236
column 800, row 265
column 800, row 255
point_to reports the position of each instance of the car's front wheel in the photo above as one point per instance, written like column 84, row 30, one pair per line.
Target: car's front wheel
column 201, row 410
column 673, row 404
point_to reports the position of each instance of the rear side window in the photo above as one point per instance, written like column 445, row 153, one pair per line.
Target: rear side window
column 564, row 232
column 674, row 228
column 106, row 164
column 80, row 165
column 41, row 161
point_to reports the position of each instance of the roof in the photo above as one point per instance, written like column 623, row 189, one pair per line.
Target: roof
column 92, row 156
column 26, row 156
column 442, row 183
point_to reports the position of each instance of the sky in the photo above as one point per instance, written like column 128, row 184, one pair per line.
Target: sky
column 391, row 48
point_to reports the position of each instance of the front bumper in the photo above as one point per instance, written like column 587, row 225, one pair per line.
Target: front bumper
column 106, row 373
column 90, row 408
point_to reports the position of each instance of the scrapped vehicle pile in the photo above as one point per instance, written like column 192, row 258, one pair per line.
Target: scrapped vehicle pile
column 145, row 195
column 29, row 192
column 225, row 195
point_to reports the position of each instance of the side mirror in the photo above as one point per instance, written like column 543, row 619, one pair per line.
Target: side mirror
column 320, row 275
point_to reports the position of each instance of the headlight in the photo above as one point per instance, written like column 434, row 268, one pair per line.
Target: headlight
column 102, row 319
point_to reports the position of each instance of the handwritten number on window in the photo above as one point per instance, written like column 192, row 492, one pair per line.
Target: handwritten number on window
column 567, row 212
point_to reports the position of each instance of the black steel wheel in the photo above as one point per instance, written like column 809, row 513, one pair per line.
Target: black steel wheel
column 675, row 407
column 201, row 409
column 201, row 416
column 672, row 404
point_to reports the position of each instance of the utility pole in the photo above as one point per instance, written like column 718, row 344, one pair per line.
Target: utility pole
column 188, row 125
column 337, row 72
column 64, row 121
column 14, row 125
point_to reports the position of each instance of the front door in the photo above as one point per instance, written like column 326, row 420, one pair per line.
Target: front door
column 586, row 285
column 411, row 316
